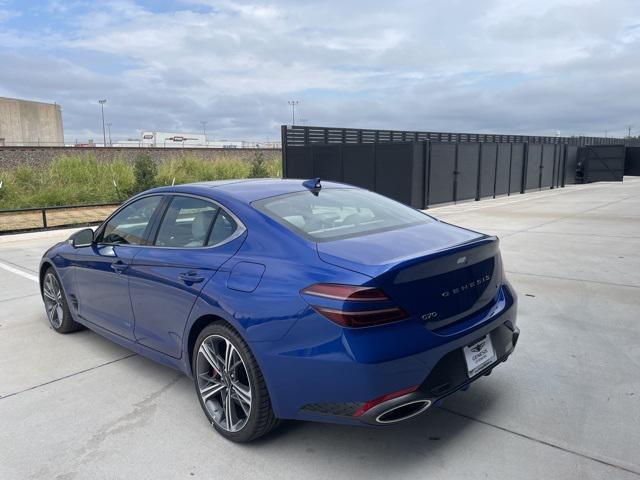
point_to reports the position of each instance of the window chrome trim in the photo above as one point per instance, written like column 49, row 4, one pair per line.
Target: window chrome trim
column 239, row 231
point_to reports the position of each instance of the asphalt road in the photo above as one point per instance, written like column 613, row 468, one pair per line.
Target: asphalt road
column 566, row 405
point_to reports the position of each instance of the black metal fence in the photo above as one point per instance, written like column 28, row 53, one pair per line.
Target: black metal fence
column 422, row 171
column 43, row 218
column 295, row 135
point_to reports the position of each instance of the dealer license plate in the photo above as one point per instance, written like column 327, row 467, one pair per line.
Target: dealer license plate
column 479, row 355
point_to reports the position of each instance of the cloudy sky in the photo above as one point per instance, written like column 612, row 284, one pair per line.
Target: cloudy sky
column 504, row 66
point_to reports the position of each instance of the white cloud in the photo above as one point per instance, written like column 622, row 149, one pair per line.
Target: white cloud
column 524, row 66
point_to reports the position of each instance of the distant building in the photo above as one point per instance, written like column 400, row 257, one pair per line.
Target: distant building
column 172, row 139
column 27, row 123
column 151, row 139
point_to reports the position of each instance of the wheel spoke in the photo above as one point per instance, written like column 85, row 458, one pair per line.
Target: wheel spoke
column 211, row 390
column 228, row 356
column 244, row 407
column 243, row 393
column 210, row 356
column 227, row 410
column 235, row 364
column 48, row 294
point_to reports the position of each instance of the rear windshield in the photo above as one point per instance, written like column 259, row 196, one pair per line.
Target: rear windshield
column 330, row 214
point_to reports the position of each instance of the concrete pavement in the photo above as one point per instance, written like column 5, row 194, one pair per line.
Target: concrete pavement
column 566, row 405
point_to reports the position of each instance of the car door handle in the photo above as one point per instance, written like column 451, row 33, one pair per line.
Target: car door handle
column 191, row 277
column 119, row 266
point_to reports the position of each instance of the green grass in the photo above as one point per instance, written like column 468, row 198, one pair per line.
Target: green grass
column 70, row 180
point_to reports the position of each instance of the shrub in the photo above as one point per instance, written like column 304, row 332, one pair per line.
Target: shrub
column 145, row 172
column 259, row 167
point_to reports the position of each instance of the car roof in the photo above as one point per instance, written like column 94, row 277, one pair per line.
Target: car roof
column 245, row 190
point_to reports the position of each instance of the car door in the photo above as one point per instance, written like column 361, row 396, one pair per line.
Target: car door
column 102, row 277
column 192, row 241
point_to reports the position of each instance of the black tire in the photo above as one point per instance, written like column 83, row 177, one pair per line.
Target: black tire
column 261, row 419
column 66, row 324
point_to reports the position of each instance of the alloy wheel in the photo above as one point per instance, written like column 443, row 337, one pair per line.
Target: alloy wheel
column 53, row 300
column 223, row 383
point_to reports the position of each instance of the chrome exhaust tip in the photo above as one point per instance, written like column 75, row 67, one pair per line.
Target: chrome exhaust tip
column 403, row 412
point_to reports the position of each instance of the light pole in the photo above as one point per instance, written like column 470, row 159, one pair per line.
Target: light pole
column 204, row 129
column 109, row 129
column 104, row 133
column 293, row 104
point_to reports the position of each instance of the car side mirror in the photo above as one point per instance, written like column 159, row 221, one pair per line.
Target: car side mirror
column 82, row 238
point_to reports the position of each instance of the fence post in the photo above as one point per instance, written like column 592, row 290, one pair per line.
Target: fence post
column 427, row 171
column 510, row 162
column 479, row 171
column 495, row 170
column 455, row 174
column 44, row 218
column 525, row 164
column 283, row 139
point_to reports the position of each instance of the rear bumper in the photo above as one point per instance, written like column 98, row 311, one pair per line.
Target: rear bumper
column 321, row 373
column 448, row 376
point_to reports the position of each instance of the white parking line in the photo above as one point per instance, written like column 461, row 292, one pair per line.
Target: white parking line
column 28, row 276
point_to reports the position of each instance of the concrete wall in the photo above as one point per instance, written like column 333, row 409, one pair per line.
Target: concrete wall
column 23, row 122
column 38, row 156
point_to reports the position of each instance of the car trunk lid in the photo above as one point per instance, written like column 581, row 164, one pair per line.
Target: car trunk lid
column 437, row 272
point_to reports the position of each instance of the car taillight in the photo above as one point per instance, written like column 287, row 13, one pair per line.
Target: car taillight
column 377, row 401
column 364, row 318
column 345, row 292
column 352, row 293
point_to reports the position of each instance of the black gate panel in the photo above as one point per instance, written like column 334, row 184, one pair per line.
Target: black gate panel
column 502, row 168
column 442, row 163
column 534, row 159
column 488, row 154
column 357, row 168
column 570, row 164
column 517, row 167
column 399, row 172
column 467, row 168
column 547, row 165
column 327, row 162
column 299, row 162
column 601, row 163
column 632, row 161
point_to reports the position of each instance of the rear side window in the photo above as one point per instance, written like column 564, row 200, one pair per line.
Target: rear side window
column 186, row 223
column 330, row 214
column 224, row 227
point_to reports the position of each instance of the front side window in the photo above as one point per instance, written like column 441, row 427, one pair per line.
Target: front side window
column 128, row 226
column 330, row 214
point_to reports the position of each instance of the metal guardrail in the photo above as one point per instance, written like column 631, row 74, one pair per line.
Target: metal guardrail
column 15, row 226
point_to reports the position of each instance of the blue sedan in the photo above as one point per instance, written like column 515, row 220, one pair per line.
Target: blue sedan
column 289, row 299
